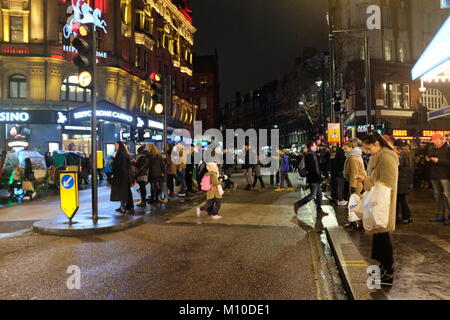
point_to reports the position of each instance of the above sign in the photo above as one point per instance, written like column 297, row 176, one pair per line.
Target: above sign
column 69, row 193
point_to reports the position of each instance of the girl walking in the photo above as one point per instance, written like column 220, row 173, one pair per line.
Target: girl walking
column 122, row 179
column 214, row 194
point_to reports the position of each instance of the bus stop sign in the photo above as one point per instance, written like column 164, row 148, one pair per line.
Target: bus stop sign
column 69, row 193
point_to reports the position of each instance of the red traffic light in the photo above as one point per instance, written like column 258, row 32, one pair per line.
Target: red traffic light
column 155, row 77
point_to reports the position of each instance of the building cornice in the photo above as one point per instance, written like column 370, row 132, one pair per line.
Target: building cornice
column 168, row 10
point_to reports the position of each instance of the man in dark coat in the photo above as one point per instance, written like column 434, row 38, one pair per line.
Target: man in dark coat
column 439, row 159
column 313, row 179
column 122, row 179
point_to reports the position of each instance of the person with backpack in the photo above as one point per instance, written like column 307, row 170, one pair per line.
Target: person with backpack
column 142, row 165
column 313, row 178
column 212, row 184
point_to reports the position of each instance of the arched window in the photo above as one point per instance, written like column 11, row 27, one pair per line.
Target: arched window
column 71, row 91
column 433, row 99
column 17, row 86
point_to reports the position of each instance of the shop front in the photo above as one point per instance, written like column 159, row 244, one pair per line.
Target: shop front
column 433, row 70
column 39, row 130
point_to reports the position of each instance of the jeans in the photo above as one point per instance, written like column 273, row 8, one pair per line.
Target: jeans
column 382, row 251
column 441, row 188
column 402, row 206
column 284, row 176
column 182, row 179
column 248, row 174
column 316, row 193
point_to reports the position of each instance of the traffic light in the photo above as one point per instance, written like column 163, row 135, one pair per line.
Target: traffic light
column 84, row 60
column 158, row 92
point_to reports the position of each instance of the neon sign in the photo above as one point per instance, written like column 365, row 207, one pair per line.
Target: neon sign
column 104, row 114
column 83, row 13
column 14, row 116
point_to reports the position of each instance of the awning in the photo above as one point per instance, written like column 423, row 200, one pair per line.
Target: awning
column 436, row 57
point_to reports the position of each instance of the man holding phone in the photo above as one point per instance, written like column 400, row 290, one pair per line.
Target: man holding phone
column 439, row 160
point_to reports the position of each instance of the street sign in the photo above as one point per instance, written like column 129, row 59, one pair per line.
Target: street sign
column 99, row 159
column 69, row 193
column 334, row 133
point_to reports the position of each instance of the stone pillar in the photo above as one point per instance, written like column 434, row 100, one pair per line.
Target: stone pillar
column 6, row 23
column 52, row 16
column 111, row 86
column 26, row 26
column 120, row 91
column 54, row 82
column 37, row 82
column 37, row 21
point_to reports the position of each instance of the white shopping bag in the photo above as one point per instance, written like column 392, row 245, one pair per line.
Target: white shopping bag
column 353, row 205
column 376, row 207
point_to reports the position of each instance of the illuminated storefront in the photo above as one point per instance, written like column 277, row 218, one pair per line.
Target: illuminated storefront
column 433, row 68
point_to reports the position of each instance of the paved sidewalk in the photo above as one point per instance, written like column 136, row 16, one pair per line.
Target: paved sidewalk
column 421, row 253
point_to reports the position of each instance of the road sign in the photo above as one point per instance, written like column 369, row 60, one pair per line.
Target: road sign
column 69, row 193
column 334, row 133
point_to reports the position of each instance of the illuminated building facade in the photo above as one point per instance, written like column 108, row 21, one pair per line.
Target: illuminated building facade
column 142, row 36
column 407, row 27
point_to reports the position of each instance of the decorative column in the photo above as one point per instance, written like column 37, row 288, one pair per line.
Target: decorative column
column 37, row 82
column 6, row 23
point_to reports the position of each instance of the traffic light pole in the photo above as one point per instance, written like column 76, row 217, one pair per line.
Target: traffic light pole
column 368, row 85
column 94, row 129
column 167, row 101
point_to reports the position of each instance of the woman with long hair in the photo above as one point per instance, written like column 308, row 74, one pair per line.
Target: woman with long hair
column 122, row 179
column 382, row 168
column 155, row 173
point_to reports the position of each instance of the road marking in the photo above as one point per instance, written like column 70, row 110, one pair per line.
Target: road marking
column 439, row 242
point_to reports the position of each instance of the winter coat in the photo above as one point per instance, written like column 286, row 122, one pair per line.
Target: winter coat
column 312, row 166
column 214, row 192
column 405, row 174
column 383, row 168
column 171, row 167
column 142, row 165
column 440, row 170
column 340, row 162
column 354, row 166
column 284, row 163
column 156, row 168
column 121, row 176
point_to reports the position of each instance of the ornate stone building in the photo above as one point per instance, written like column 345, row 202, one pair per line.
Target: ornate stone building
column 139, row 37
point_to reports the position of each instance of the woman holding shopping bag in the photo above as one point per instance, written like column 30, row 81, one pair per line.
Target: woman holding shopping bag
column 382, row 168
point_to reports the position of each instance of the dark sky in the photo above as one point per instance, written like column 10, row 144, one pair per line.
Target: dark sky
column 257, row 40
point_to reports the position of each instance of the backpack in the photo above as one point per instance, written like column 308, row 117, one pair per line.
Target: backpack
column 302, row 168
column 201, row 171
column 206, row 183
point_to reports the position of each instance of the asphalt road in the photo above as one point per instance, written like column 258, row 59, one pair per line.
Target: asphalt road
column 258, row 251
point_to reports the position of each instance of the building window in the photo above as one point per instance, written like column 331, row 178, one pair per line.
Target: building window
column 387, row 17
column 16, row 29
column 203, row 83
column 388, row 50
column 71, row 91
column 17, row 87
column 402, row 19
column 397, row 95
column 433, row 99
column 403, row 51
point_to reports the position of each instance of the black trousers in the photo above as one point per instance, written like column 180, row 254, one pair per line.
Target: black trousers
column 171, row 182
column 382, row 251
column 402, row 206
column 213, row 206
column 277, row 175
column 189, row 183
column 143, row 190
column 261, row 181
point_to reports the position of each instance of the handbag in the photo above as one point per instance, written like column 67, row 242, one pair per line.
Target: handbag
column 354, row 204
column 376, row 207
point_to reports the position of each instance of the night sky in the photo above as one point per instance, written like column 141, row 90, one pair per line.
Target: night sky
column 257, row 40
